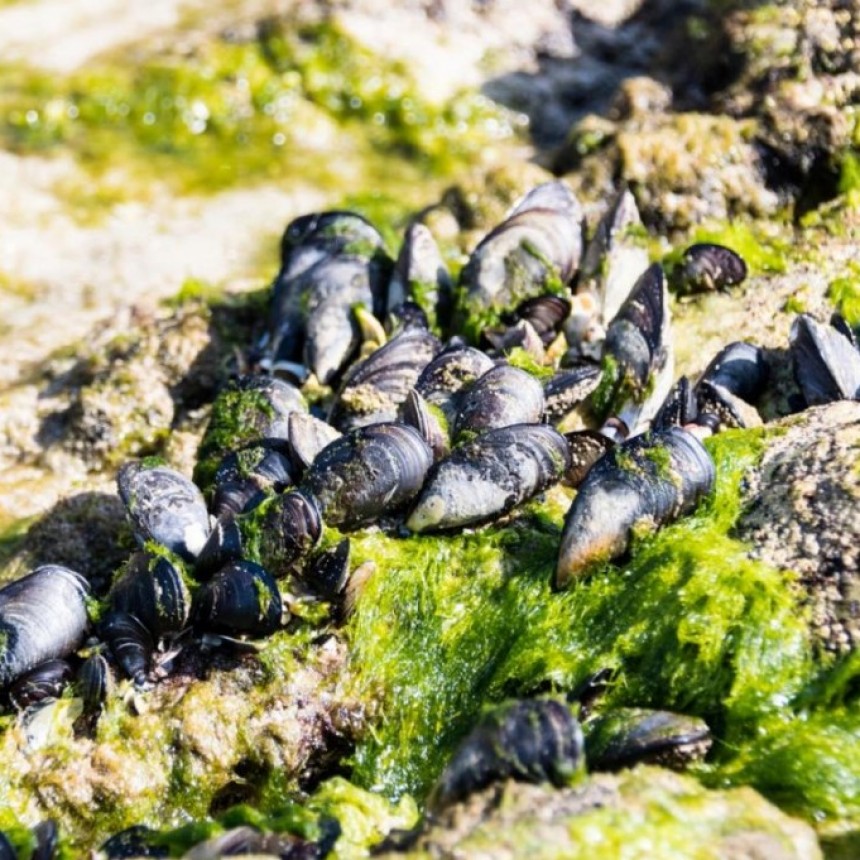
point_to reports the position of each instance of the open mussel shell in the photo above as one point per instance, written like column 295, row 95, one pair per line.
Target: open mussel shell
column 130, row 642
column 706, row 266
column 45, row 681
column 164, row 506
column 43, row 616
column 615, row 258
column 242, row 598
column 373, row 389
column 368, row 473
column 624, row 737
column 536, row 740
column 826, row 362
column 152, row 589
column 503, row 396
column 488, row 476
column 649, row 480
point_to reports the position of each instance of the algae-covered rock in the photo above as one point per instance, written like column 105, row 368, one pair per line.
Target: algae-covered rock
column 802, row 515
column 220, row 731
column 647, row 812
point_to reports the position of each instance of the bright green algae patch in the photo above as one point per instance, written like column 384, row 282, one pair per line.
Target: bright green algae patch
column 449, row 624
column 295, row 100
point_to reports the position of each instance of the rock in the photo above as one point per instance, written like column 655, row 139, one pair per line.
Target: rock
column 645, row 812
column 802, row 515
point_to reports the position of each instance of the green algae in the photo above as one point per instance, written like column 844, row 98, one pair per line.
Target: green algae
column 844, row 292
column 242, row 110
column 690, row 623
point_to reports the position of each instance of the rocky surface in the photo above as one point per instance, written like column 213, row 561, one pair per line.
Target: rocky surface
column 98, row 369
column 501, row 821
column 801, row 515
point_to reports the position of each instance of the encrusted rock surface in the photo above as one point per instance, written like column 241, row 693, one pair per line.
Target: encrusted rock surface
column 517, row 820
column 802, row 515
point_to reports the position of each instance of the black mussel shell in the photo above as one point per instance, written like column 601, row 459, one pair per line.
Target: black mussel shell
column 545, row 314
column 679, row 408
column 625, row 737
column 225, row 544
column 94, row 682
column 242, row 598
column 164, row 506
column 706, row 266
column 45, row 681
column 369, row 473
column 429, row 422
column 503, row 396
column 249, row 411
column 634, row 339
column 247, row 840
column 328, row 571
column 452, row 371
column 568, row 389
column 740, row 368
column 263, row 466
column 484, row 478
column 535, row 740
column 826, row 362
column 653, row 478
column 586, row 447
column 7, row 852
column 137, row 841
column 43, row 616
column 47, row 836
column 289, row 527
column 152, row 589
column 130, row 643
column 373, row 389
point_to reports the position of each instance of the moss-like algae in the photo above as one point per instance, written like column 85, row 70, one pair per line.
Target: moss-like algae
column 689, row 624
column 229, row 110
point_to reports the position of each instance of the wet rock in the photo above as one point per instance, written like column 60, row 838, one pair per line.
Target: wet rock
column 802, row 515
column 645, row 812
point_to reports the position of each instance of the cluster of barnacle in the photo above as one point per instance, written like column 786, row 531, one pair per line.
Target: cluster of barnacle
column 419, row 435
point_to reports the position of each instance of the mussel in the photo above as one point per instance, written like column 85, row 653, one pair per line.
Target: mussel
column 43, row 616
column 164, row 506
column 646, row 482
column 330, row 263
column 368, row 473
column 730, row 384
column 503, row 396
column 250, row 410
column 534, row 251
column 43, row 682
column 373, row 389
column 624, row 737
column 242, row 598
column 488, row 476
column 707, row 266
column 536, row 740
column 421, row 276
column 826, row 362
column 152, row 589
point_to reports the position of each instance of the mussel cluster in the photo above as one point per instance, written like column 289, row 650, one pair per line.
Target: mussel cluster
column 385, row 394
